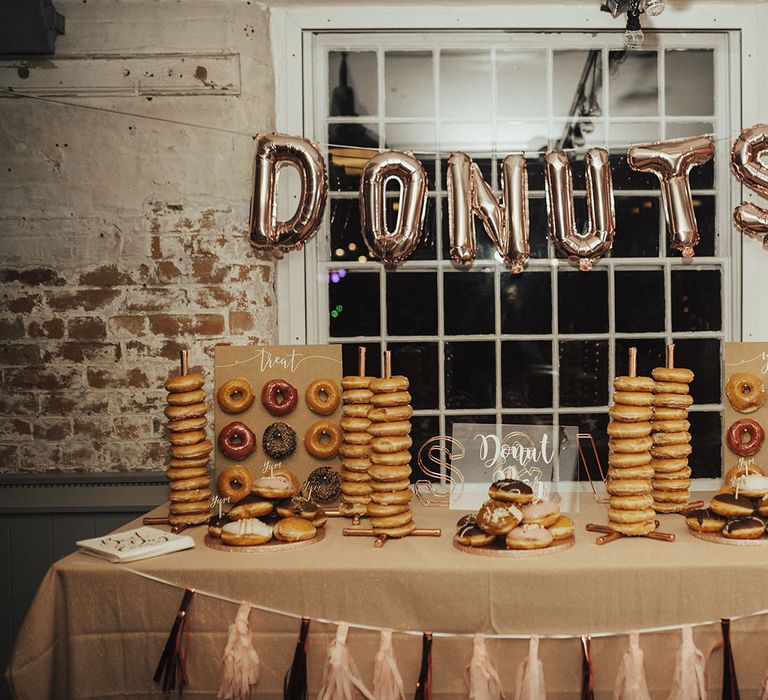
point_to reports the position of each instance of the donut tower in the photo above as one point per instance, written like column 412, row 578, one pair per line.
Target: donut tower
column 187, row 472
column 355, row 450
column 671, row 439
column 629, row 443
column 390, row 469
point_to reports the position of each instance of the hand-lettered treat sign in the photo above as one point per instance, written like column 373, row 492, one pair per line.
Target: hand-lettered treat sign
column 277, row 406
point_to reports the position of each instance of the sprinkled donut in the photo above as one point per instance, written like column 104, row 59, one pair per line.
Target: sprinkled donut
column 279, row 440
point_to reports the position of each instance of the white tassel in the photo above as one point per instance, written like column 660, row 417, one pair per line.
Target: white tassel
column 340, row 676
column 240, row 663
column 630, row 683
column 387, row 681
column 690, row 671
column 482, row 677
column 530, row 675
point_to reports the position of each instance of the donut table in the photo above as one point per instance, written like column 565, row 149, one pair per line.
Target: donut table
column 85, row 644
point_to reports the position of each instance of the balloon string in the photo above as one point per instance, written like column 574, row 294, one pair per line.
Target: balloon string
column 252, row 135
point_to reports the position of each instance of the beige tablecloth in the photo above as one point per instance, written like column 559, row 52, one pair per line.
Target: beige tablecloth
column 95, row 630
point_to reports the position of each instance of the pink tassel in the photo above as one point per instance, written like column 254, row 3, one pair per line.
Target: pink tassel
column 240, row 663
column 481, row 675
column 630, row 683
column 340, row 676
column 690, row 679
column 387, row 681
column 530, row 675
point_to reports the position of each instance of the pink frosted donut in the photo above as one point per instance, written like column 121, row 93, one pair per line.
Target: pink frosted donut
column 544, row 513
column 529, row 537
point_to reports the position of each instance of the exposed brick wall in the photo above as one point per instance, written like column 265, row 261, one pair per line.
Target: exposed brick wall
column 123, row 240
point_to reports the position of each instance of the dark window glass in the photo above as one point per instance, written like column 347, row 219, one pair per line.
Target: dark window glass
column 350, row 363
column 346, row 240
column 706, row 436
column 526, row 302
column 583, row 301
column 427, row 248
column 538, row 235
column 526, row 374
column 696, row 300
column 583, row 372
column 639, row 301
column 637, row 228
column 344, row 169
column 423, row 428
column 703, row 357
column 468, row 300
column 470, row 375
column 527, row 419
column 411, row 303
column 419, row 362
column 651, row 352
column 624, row 178
column 353, row 303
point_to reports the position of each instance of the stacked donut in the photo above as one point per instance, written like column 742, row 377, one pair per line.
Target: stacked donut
column 671, row 439
column 189, row 482
column 355, row 450
column 390, row 429
column 629, row 459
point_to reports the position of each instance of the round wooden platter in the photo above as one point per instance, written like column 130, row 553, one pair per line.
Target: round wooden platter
column 272, row 546
column 498, row 549
column 719, row 539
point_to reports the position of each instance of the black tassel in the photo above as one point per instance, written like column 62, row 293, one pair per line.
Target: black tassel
column 424, row 685
column 171, row 672
column 295, row 683
column 587, row 681
column 730, row 683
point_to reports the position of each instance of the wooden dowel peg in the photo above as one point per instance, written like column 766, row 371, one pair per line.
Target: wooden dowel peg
column 670, row 355
column 387, row 364
column 178, row 529
column 661, row 536
column 632, row 372
column 380, row 541
column 612, row 537
column 155, row 520
column 361, row 360
column 184, row 361
column 604, row 529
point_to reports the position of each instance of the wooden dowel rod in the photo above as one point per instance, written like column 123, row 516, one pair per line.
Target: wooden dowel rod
column 184, row 361
column 605, row 539
column 387, row 364
column 671, row 355
column 632, row 362
column 663, row 536
column 361, row 361
column 381, row 540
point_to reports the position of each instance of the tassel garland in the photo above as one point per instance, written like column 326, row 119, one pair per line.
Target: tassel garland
column 482, row 678
column 424, row 685
column 340, row 676
column 171, row 672
column 295, row 683
column 631, row 683
column 690, row 670
column 530, row 675
column 730, row 683
column 387, row 681
column 240, row 663
column 587, row 680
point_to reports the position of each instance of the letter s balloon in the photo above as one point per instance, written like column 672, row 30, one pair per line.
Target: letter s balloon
column 747, row 163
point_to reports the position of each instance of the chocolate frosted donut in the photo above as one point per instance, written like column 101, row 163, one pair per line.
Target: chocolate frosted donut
column 729, row 506
column 469, row 519
column 324, row 484
column 745, row 528
column 279, row 440
column 511, row 491
column 236, row 440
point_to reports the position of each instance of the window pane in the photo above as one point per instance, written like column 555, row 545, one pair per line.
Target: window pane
column 519, row 75
column 470, row 375
column 637, row 227
column 703, row 357
column 411, row 303
column 418, row 361
column 539, row 228
column 569, row 68
column 353, row 83
column 583, row 302
column 706, row 436
column 465, row 83
column 345, row 166
column 634, row 83
column 350, row 363
column 583, row 372
column 526, row 303
column 696, row 302
column 690, row 82
column 639, row 301
column 624, row 178
column 469, row 305
column 526, row 374
column 408, row 84
column 353, row 303
column 346, row 240
column 650, row 353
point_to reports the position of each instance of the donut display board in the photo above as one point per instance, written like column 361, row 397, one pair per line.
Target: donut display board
column 745, row 414
column 277, row 406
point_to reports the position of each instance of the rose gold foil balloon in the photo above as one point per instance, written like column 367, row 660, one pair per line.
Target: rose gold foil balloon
column 588, row 247
column 750, row 167
column 671, row 162
column 469, row 195
column 273, row 152
column 393, row 247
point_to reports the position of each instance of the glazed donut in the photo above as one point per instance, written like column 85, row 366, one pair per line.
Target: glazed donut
column 678, row 375
column 397, row 532
column 194, row 410
column 633, row 529
column 631, row 445
column 279, row 397
column 673, row 400
column 356, row 465
column 234, row 483
column 236, row 440
column 200, row 449
column 745, row 391
column 197, row 462
column 179, row 508
column 350, row 509
column 294, row 530
column 390, row 414
column 390, row 459
column 391, row 520
column 323, row 439
column 671, row 451
column 736, row 433
column 671, row 438
column 633, row 398
column 357, row 438
column 471, row 535
column 704, row 520
column 563, row 529
column 398, row 427
column 391, row 443
column 399, row 485
column 669, row 465
column 186, row 472
column 252, row 509
column 630, row 414
column 671, row 484
column 188, row 518
column 322, row 396
column 544, row 513
column 683, row 473
column 749, row 528
column 356, row 410
column 190, row 437
column 352, row 396
column 497, row 517
column 739, row 470
column 645, row 472
column 671, row 426
column 198, row 482
column 403, row 497
column 729, row 506
column 380, row 510
column 389, row 385
column 186, row 496
column 355, row 382
column 661, row 413
column 186, row 398
column 320, row 519
column 398, row 398
column 628, row 487
column 348, row 451
column 644, row 384
column 394, row 473
column 236, row 395
column 529, row 537
column 642, row 502
column 629, row 430
column 355, row 425
column 631, row 516
column 275, row 486
column 181, row 426
column 355, row 488
column 246, row 533
column 360, row 477
column 511, row 491
column 628, row 459
column 279, row 440
column 672, row 507
column 184, row 382
column 672, row 388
